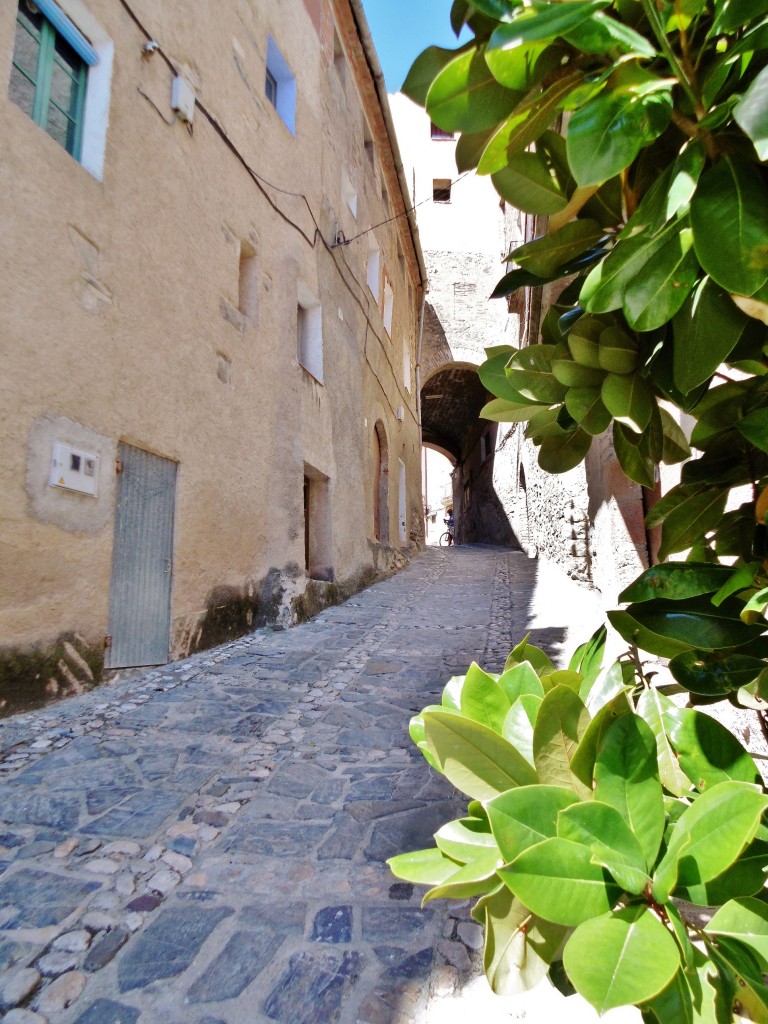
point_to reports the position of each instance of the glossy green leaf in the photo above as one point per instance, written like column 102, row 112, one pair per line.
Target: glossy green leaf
column 423, row 72
column 526, row 124
column 474, row 758
column 621, row 958
column 606, row 134
column 633, row 461
column 709, row 836
column 696, row 622
column 483, row 700
column 675, row 447
column 600, row 827
column 741, row 979
column 747, row 921
column 729, row 217
column 470, row 148
column 583, row 760
column 675, row 581
column 558, row 455
column 528, row 25
column 560, row 726
column 424, row 867
column 522, row 66
column 557, row 880
column 465, row 839
column 733, row 14
column 588, row 657
column 416, row 732
column 518, row 725
column 520, row 678
column 499, row 410
column 690, row 998
column 530, row 373
column 518, row 947
column 754, row 426
column 745, row 877
column 466, row 97
column 692, row 519
column 530, row 653
column 617, row 351
column 627, row 778
column 655, row 296
column 573, row 375
column 715, row 674
column 635, row 632
column 545, row 255
column 528, row 184
column 629, row 399
column 471, row 879
column 603, row 34
column 587, row 408
column 707, row 752
column 526, row 816
column 493, row 376
column 451, row 696
column 751, row 113
column 706, row 330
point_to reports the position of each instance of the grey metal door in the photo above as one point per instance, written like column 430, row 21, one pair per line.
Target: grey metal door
column 142, row 560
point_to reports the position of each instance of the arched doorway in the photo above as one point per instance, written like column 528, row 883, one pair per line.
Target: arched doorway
column 380, row 484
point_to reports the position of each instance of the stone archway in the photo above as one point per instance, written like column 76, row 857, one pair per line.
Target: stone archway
column 380, row 483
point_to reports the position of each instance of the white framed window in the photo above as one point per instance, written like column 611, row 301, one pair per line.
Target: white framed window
column 61, row 74
column 373, row 266
column 441, row 190
column 280, row 85
column 309, row 332
column 439, row 134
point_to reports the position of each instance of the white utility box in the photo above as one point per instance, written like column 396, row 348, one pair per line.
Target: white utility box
column 183, row 99
column 74, row 469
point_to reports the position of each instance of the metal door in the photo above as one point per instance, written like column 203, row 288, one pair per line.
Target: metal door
column 142, row 560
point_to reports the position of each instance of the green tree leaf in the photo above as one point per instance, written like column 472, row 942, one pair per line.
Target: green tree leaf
column 483, row 700
column 635, row 632
column 546, row 254
column 676, row 581
column 675, row 447
column 501, row 411
column 472, row 757
column 519, row 723
column 586, row 407
column 472, row 879
column 558, row 881
column 751, row 113
column 754, row 426
column 606, row 134
column 527, row 816
column 603, row 34
column 416, row 732
column 745, row 877
column 424, row 867
column 600, row 827
column 560, row 726
column 528, row 184
column 729, row 217
column 629, row 399
column 424, row 70
column 466, row 97
column 707, row 328
column 529, row 25
column 694, row 517
column 465, row 839
column 621, row 958
column 654, row 297
column 707, row 752
column 633, row 461
column 583, row 761
column 530, row 373
column 747, row 921
column 627, row 778
column 521, row 678
column 709, row 836
column 714, row 674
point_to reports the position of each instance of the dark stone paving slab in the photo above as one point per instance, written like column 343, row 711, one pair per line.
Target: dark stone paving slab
column 139, row 816
column 42, row 897
column 240, row 962
column 311, row 989
column 106, row 1011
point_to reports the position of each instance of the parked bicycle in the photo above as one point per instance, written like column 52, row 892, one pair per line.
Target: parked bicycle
column 446, row 539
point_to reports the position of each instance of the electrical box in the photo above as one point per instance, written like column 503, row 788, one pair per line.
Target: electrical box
column 183, row 99
column 74, row 469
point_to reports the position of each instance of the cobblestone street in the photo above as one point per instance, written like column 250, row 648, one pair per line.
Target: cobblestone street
column 204, row 843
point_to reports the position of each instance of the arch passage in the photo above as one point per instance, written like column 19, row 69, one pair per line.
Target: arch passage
column 380, row 483
column 451, row 401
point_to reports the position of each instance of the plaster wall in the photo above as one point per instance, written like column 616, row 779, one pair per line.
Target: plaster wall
column 124, row 318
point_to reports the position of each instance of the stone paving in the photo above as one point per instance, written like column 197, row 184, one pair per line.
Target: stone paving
column 205, row 843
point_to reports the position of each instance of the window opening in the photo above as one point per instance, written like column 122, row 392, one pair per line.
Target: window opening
column 372, row 268
column 309, row 331
column 271, row 88
column 339, row 60
column 280, row 85
column 389, row 304
column 49, row 74
column 441, row 190
column 439, row 134
column 248, row 286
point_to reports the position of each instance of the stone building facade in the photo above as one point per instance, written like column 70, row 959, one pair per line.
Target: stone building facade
column 209, row 314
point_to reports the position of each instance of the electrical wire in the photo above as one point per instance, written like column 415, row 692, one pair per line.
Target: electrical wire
column 261, row 182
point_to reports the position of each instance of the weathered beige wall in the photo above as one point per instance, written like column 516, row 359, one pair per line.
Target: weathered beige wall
column 119, row 318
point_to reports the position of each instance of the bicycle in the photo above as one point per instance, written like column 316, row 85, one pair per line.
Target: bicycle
column 446, row 539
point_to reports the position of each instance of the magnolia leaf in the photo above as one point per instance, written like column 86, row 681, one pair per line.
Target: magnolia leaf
column 747, row 921
column 522, row 66
column 754, row 426
column 474, row 758
column 557, row 880
column 607, row 133
column 621, row 958
column 634, row 462
column 745, row 877
column 583, row 760
column 675, row 447
column 451, row 697
column 715, row 675
column 751, row 113
column 424, row 867
column 559, row 454
column 696, row 622
column 533, row 655
column 521, row 679
column 709, row 836
column 654, row 297
column 706, row 330
column 516, row 279
column 529, row 25
column 741, row 981
column 423, row 72
column 676, row 581
column 530, row 373
column 466, row 97
column 470, row 148
column 416, row 731
column 476, row 877
column 483, row 700
column 729, row 217
column 501, row 411
column 586, row 406
column 600, row 827
column 518, row 947
column 518, row 725
column 545, row 255
column 588, row 657
column 635, row 632
column 606, row 286
column 493, row 376
column 528, row 184
column 560, row 726
column 602, row 34
column 707, row 752
column 629, row 399
column 627, row 778
column 465, row 839
column 526, row 816
column 693, row 518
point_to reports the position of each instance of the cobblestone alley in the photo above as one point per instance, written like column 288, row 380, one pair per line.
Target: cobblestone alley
column 204, row 843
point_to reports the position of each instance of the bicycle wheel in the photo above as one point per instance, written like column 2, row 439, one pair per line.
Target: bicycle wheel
column 445, row 539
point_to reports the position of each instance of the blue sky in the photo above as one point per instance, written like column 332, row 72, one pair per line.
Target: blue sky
column 401, row 29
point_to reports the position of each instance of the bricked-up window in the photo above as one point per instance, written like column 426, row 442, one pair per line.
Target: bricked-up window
column 372, row 267
column 309, row 331
column 280, row 85
column 248, row 282
column 389, row 304
column 439, row 134
column 368, row 144
column 441, row 190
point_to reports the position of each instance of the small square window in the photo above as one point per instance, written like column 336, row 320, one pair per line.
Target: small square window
column 441, row 190
column 280, row 85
